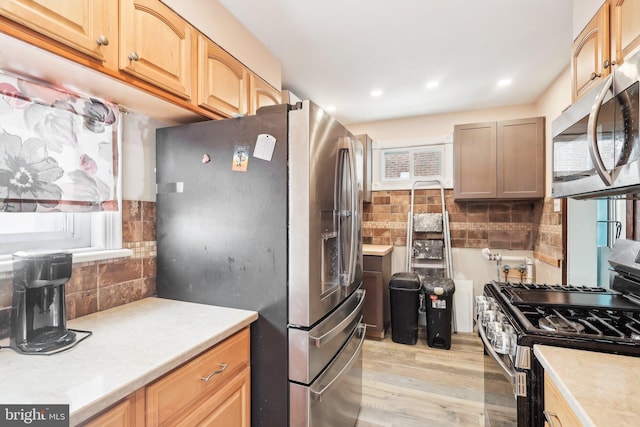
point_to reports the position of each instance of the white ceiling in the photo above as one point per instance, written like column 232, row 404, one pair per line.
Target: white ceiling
column 336, row 52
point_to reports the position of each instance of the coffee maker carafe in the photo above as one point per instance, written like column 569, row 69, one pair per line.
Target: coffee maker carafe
column 38, row 316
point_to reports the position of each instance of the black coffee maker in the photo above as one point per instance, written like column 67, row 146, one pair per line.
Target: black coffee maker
column 38, row 315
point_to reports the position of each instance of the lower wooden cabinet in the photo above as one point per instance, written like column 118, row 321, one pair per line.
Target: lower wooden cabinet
column 129, row 412
column 375, row 281
column 556, row 409
column 213, row 389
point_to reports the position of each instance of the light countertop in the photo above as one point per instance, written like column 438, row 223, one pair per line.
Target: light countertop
column 131, row 345
column 600, row 388
column 377, row 250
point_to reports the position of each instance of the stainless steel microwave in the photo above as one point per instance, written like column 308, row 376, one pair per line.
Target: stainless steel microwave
column 595, row 141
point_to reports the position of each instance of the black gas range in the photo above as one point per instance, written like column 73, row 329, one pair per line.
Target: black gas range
column 513, row 317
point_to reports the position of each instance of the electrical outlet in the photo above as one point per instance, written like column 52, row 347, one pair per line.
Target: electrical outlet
column 556, row 205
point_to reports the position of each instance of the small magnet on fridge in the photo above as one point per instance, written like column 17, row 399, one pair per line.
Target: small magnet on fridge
column 206, row 158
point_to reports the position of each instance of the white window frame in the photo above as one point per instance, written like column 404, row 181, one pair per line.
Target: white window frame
column 105, row 228
column 443, row 144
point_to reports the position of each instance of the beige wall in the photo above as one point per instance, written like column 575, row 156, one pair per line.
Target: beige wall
column 212, row 19
column 469, row 263
column 437, row 124
column 583, row 11
column 555, row 99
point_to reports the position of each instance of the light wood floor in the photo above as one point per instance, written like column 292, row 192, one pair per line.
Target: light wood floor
column 418, row 386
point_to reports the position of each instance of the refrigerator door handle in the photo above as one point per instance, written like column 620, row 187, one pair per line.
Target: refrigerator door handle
column 346, row 143
column 327, row 336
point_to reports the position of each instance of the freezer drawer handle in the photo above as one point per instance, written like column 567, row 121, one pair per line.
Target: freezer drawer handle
column 319, row 341
column 223, row 366
column 317, row 395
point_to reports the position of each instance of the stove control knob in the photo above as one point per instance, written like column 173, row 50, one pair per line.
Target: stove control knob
column 503, row 342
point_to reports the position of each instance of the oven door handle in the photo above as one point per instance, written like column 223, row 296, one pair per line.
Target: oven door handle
column 487, row 345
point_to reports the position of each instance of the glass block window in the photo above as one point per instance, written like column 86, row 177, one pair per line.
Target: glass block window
column 413, row 163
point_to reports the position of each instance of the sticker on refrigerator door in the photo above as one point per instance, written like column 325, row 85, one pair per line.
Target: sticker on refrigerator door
column 439, row 304
column 240, row 158
column 265, row 145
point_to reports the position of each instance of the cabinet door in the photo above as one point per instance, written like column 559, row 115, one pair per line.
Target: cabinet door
column 262, row 94
column 625, row 28
column 156, row 45
column 520, row 158
column 372, row 309
column 367, row 150
column 223, row 82
column 230, row 406
column 88, row 26
column 128, row 413
column 475, row 161
column 556, row 408
column 172, row 397
column 590, row 54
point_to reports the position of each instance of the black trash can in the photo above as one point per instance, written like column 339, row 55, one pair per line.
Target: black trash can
column 439, row 301
column 404, row 294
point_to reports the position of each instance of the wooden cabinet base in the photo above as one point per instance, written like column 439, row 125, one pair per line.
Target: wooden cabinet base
column 375, row 281
column 212, row 389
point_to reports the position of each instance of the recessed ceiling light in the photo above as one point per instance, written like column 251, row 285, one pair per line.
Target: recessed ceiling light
column 504, row 82
column 376, row 92
column 432, row 85
column 330, row 108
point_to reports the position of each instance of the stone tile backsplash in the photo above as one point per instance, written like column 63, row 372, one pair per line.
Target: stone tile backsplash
column 97, row 286
column 516, row 225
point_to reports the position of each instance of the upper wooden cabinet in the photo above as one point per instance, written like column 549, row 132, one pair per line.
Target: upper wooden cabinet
column 262, row 94
column 625, row 28
column 156, row 45
column 611, row 35
column 146, row 45
column 367, row 164
column 590, row 54
column 503, row 160
column 87, row 26
column 223, row 82
column 474, row 147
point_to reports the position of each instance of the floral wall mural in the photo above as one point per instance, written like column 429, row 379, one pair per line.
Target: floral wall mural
column 58, row 150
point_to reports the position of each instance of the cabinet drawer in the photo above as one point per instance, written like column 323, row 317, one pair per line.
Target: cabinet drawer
column 372, row 263
column 169, row 395
column 556, row 407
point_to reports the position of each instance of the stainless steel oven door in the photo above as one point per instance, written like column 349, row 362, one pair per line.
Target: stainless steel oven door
column 500, row 393
column 310, row 351
column 334, row 398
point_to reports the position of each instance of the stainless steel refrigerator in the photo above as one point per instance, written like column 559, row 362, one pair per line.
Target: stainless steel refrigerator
column 264, row 213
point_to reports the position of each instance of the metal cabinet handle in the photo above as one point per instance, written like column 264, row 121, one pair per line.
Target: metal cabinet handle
column 133, row 56
column 223, row 366
column 606, row 63
column 549, row 416
column 595, row 75
column 102, row 41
